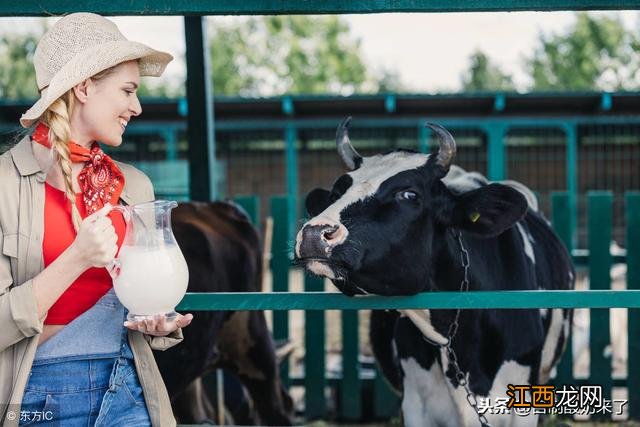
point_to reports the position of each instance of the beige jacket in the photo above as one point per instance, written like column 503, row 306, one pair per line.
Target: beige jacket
column 21, row 230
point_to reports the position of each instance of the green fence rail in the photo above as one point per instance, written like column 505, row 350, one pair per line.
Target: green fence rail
column 314, row 301
column 599, row 298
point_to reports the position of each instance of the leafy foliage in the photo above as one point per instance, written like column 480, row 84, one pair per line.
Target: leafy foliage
column 17, row 75
column 285, row 54
column 483, row 75
column 596, row 53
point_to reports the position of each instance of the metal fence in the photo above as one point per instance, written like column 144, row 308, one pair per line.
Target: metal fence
column 597, row 259
column 573, row 156
column 292, row 157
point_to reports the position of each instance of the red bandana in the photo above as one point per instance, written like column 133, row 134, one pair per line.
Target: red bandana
column 101, row 181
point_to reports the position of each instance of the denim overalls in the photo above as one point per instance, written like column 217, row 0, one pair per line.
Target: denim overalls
column 85, row 374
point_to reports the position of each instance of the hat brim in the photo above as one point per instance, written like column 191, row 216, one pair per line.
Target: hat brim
column 88, row 63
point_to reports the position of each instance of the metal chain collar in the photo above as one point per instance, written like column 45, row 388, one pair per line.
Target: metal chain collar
column 453, row 329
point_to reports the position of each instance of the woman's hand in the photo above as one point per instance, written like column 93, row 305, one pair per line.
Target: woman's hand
column 158, row 325
column 95, row 244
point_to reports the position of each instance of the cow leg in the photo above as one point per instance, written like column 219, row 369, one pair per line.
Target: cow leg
column 510, row 372
column 425, row 401
column 192, row 406
column 247, row 350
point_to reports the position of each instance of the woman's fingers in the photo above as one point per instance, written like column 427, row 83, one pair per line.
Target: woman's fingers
column 158, row 325
column 183, row 321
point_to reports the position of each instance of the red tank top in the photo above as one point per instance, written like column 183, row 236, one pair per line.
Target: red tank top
column 91, row 285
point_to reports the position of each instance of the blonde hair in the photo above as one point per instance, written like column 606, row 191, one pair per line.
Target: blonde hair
column 58, row 118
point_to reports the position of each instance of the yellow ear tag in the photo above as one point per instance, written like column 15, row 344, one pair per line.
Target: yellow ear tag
column 474, row 216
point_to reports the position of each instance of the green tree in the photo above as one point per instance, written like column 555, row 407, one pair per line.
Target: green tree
column 255, row 56
column 595, row 53
column 387, row 80
column 17, row 75
column 159, row 88
column 285, row 54
column 483, row 75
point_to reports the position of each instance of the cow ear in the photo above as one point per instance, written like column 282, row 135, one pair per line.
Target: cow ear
column 317, row 201
column 489, row 210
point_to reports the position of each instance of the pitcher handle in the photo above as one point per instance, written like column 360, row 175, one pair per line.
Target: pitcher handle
column 124, row 210
column 114, row 266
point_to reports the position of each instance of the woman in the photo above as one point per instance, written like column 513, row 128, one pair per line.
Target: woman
column 65, row 356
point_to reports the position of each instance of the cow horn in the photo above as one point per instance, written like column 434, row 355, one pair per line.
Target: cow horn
column 349, row 155
column 447, row 144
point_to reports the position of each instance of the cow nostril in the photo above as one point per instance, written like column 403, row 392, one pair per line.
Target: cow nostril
column 330, row 233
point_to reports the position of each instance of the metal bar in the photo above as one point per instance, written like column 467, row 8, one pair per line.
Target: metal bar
column 291, row 159
column 350, row 402
column 572, row 177
column 261, row 7
column 280, row 272
column 423, row 138
column 202, row 148
column 171, row 140
column 561, row 222
column 407, row 122
column 431, row 300
column 314, row 363
column 599, row 230
column 633, row 282
column 496, row 168
column 606, row 101
column 500, row 102
column 390, row 103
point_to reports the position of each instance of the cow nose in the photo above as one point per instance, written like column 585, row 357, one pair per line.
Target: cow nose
column 318, row 240
column 330, row 233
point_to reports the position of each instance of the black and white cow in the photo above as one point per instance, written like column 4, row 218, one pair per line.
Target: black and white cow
column 389, row 227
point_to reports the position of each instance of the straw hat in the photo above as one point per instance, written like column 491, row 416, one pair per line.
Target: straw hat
column 79, row 46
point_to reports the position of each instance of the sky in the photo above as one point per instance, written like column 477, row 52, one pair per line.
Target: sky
column 429, row 51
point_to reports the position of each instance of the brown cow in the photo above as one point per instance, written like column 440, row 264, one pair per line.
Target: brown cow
column 223, row 253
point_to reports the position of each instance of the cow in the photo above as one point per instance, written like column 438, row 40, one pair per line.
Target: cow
column 222, row 250
column 397, row 224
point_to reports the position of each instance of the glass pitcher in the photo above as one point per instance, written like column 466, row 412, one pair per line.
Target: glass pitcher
column 150, row 274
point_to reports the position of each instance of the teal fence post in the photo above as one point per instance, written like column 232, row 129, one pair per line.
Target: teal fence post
column 350, row 390
column 632, row 200
column 496, row 165
column 572, row 177
column 171, row 140
column 251, row 204
column 599, row 218
column 291, row 161
column 423, row 138
column 561, row 222
column 280, row 271
column 314, row 363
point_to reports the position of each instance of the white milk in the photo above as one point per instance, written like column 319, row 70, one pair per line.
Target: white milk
column 151, row 280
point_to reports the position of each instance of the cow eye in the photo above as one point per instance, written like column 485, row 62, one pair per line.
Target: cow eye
column 406, row 195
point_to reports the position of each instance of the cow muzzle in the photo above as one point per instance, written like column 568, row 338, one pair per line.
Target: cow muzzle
column 318, row 238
